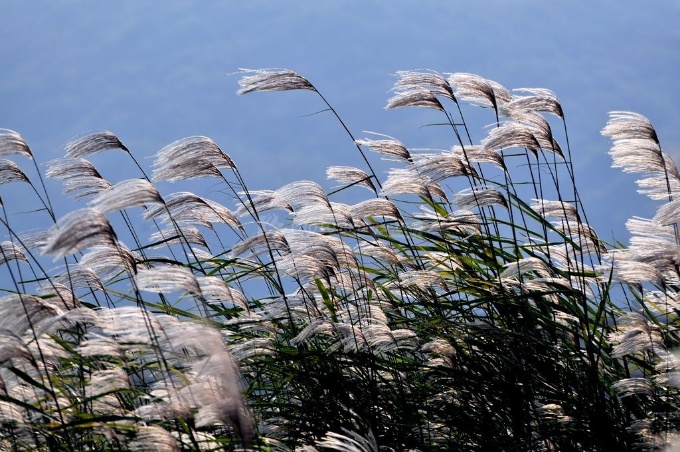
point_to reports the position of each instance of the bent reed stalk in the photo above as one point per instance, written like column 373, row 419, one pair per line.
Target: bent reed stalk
column 465, row 305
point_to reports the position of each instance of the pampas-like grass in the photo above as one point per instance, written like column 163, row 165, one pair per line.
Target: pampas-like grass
column 538, row 100
column 93, row 143
column 465, row 304
column 78, row 230
column 78, row 175
column 10, row 172
column 351, row 176
column 388, row 146
column 415, row 97
column 126, row 194
column 190, row 158
column 272, row 80
column 11, row 143
column 478, row 90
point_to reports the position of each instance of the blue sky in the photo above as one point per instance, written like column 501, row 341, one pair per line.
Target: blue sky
column 154, row 72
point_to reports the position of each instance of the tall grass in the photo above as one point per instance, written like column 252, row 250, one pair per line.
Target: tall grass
column 465, row 304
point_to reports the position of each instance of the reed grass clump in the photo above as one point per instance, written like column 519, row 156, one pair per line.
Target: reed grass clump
column 464, row 304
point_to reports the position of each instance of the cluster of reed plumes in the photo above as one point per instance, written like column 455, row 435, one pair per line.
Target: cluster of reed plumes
column 466, row 304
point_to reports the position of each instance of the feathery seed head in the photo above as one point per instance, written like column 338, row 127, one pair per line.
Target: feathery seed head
column 625, row 125
column 479, row 91
column 126, row 194
column 414, row 97
column 10, row 252
column 538, row 100
column 351, row 176
column 93, row 143
column 190, row 158
column 512, row 135
column 107, row 261
column 10, row 172
column 78, row 175
column 11, row 143
column 430, row 80
column 478, row 197
column 555, row 209
column 272, row 80
column 167, row 279
column 82, row 228
column 388, row 146
column 188, row 208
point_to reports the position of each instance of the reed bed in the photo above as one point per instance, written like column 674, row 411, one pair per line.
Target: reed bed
column 464, row 304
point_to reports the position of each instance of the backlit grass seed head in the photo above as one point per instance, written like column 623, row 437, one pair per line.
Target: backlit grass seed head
column 668, row 213
column 154, row 438
column 375, row 208
column 335, row 215
column 34, row 240
column 387, row 146
column 478, row 197
column 80, row 229
column 512, row 135
column 10, row 172
column 583, row 235
column 351, row 176
column 538, row 100
column 215, row 290
column 11, row 143
column 437, row 167
column 78, row 175
column 383, row 253
column 21, row 312
column 80, row 278
column 272, row 80
column 349, row 441
column 313, row 255
column 480, row 154
column 126, row 194
column 169, row 235
column 167, row 279
column 409, row 181
column 636, row 334
column 525, row 267
column 461, row 222
column 58, row 293
column 633, row 386
column 414, row 97
column 290, row 197
column 318, row 326
column 630, row 272
column 261, row 244
column 553, row 412
column 188, row 208
column 658, row 185
column 11, row 252
column 555, row 209
column 93, row 143
column 107, row 262
column 105, row 381
column 637, row 155
column 626, row 125
column 190, row 158
column 421, row 279
column 539, row 127
column 430, row 80
column 478, row 90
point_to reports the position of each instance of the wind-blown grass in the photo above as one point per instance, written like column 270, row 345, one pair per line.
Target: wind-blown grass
column 465, row 304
